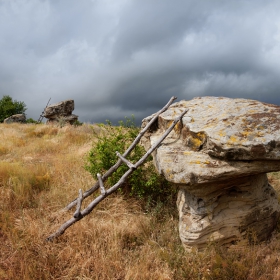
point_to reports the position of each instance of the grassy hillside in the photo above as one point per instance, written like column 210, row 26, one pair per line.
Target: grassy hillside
column 41, row 170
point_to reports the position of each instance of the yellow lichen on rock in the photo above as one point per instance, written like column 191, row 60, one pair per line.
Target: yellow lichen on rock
column 194, row 143
column 196, row 140
column 245, row 134
column 199, row 162
column 222, row 133
column 178, row 127
column 233, row 139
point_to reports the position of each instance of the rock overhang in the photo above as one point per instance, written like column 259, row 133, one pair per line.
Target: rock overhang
column 65, row 107
column 221, row 126
column 218, row 138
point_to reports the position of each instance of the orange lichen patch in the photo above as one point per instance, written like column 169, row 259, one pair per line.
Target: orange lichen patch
column 252, row 111
column 178, row 127
column 199, row 162
column 222, row 133
column 249, row 134
column 233, row 139
column 168, row 160
column 195, row 143
column 171, row 176
column 245, row 134
column 260, row 134
column 168, row 171
column 196, row 140
column 169, row 123
column 249, row 128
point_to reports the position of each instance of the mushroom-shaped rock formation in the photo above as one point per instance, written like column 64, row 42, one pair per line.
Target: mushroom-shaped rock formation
column 218, row 156
column 61, row 111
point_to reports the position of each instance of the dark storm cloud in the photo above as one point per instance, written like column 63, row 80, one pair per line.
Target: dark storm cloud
column 117, row 58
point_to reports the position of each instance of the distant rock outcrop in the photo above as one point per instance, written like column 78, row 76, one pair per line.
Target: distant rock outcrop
column 218, row 156
column 18, row 118
column 61, row 111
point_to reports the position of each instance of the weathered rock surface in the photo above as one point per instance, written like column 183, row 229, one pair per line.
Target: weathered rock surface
column 18, row 118
column 61, row 111
column 63, row 108
column 67, row 119
column 218, row 156
column 245, row 207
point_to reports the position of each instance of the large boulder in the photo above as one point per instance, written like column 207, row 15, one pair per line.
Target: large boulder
column 218, row 156
column 18, row 118
column 63, row 108
column 61, row 112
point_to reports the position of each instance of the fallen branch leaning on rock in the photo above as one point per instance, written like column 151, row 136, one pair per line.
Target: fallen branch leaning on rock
column 78, row 215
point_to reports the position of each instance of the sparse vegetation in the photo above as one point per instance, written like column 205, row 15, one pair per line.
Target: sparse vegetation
column 41, row 170
column 30, row 120
column 145, row 182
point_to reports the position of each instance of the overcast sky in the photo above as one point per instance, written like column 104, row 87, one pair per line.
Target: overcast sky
column 121, row 57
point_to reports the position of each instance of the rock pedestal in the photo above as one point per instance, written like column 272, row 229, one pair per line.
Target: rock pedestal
column 218, row 156
column 61, row 111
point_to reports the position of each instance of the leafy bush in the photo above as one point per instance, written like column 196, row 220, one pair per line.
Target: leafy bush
column 9, row 107
column 144, row 181
column 77, row 123
column 30, row 120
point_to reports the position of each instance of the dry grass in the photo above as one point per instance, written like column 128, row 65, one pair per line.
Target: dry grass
column 41, row 170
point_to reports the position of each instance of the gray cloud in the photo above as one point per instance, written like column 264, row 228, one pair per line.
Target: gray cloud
column 117, row 58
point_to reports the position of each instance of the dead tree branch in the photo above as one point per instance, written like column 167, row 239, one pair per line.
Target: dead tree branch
column 105, row 193
column 127, row 152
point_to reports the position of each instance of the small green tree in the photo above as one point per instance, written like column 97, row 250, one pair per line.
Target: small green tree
column 9, row 107
column 144, row 181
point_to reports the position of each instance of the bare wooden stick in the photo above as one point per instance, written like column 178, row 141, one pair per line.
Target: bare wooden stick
column 96, row 201
column 102, row 189
column 127, row 162
column 127, row 152
column 79, row 204
column 161, row 139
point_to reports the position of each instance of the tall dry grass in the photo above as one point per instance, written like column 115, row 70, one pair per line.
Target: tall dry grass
column 41, row 170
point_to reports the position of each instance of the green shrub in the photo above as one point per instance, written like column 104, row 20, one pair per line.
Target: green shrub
column 9, row 107
column 144, row 181
column 77, row 123
column 30, row 120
